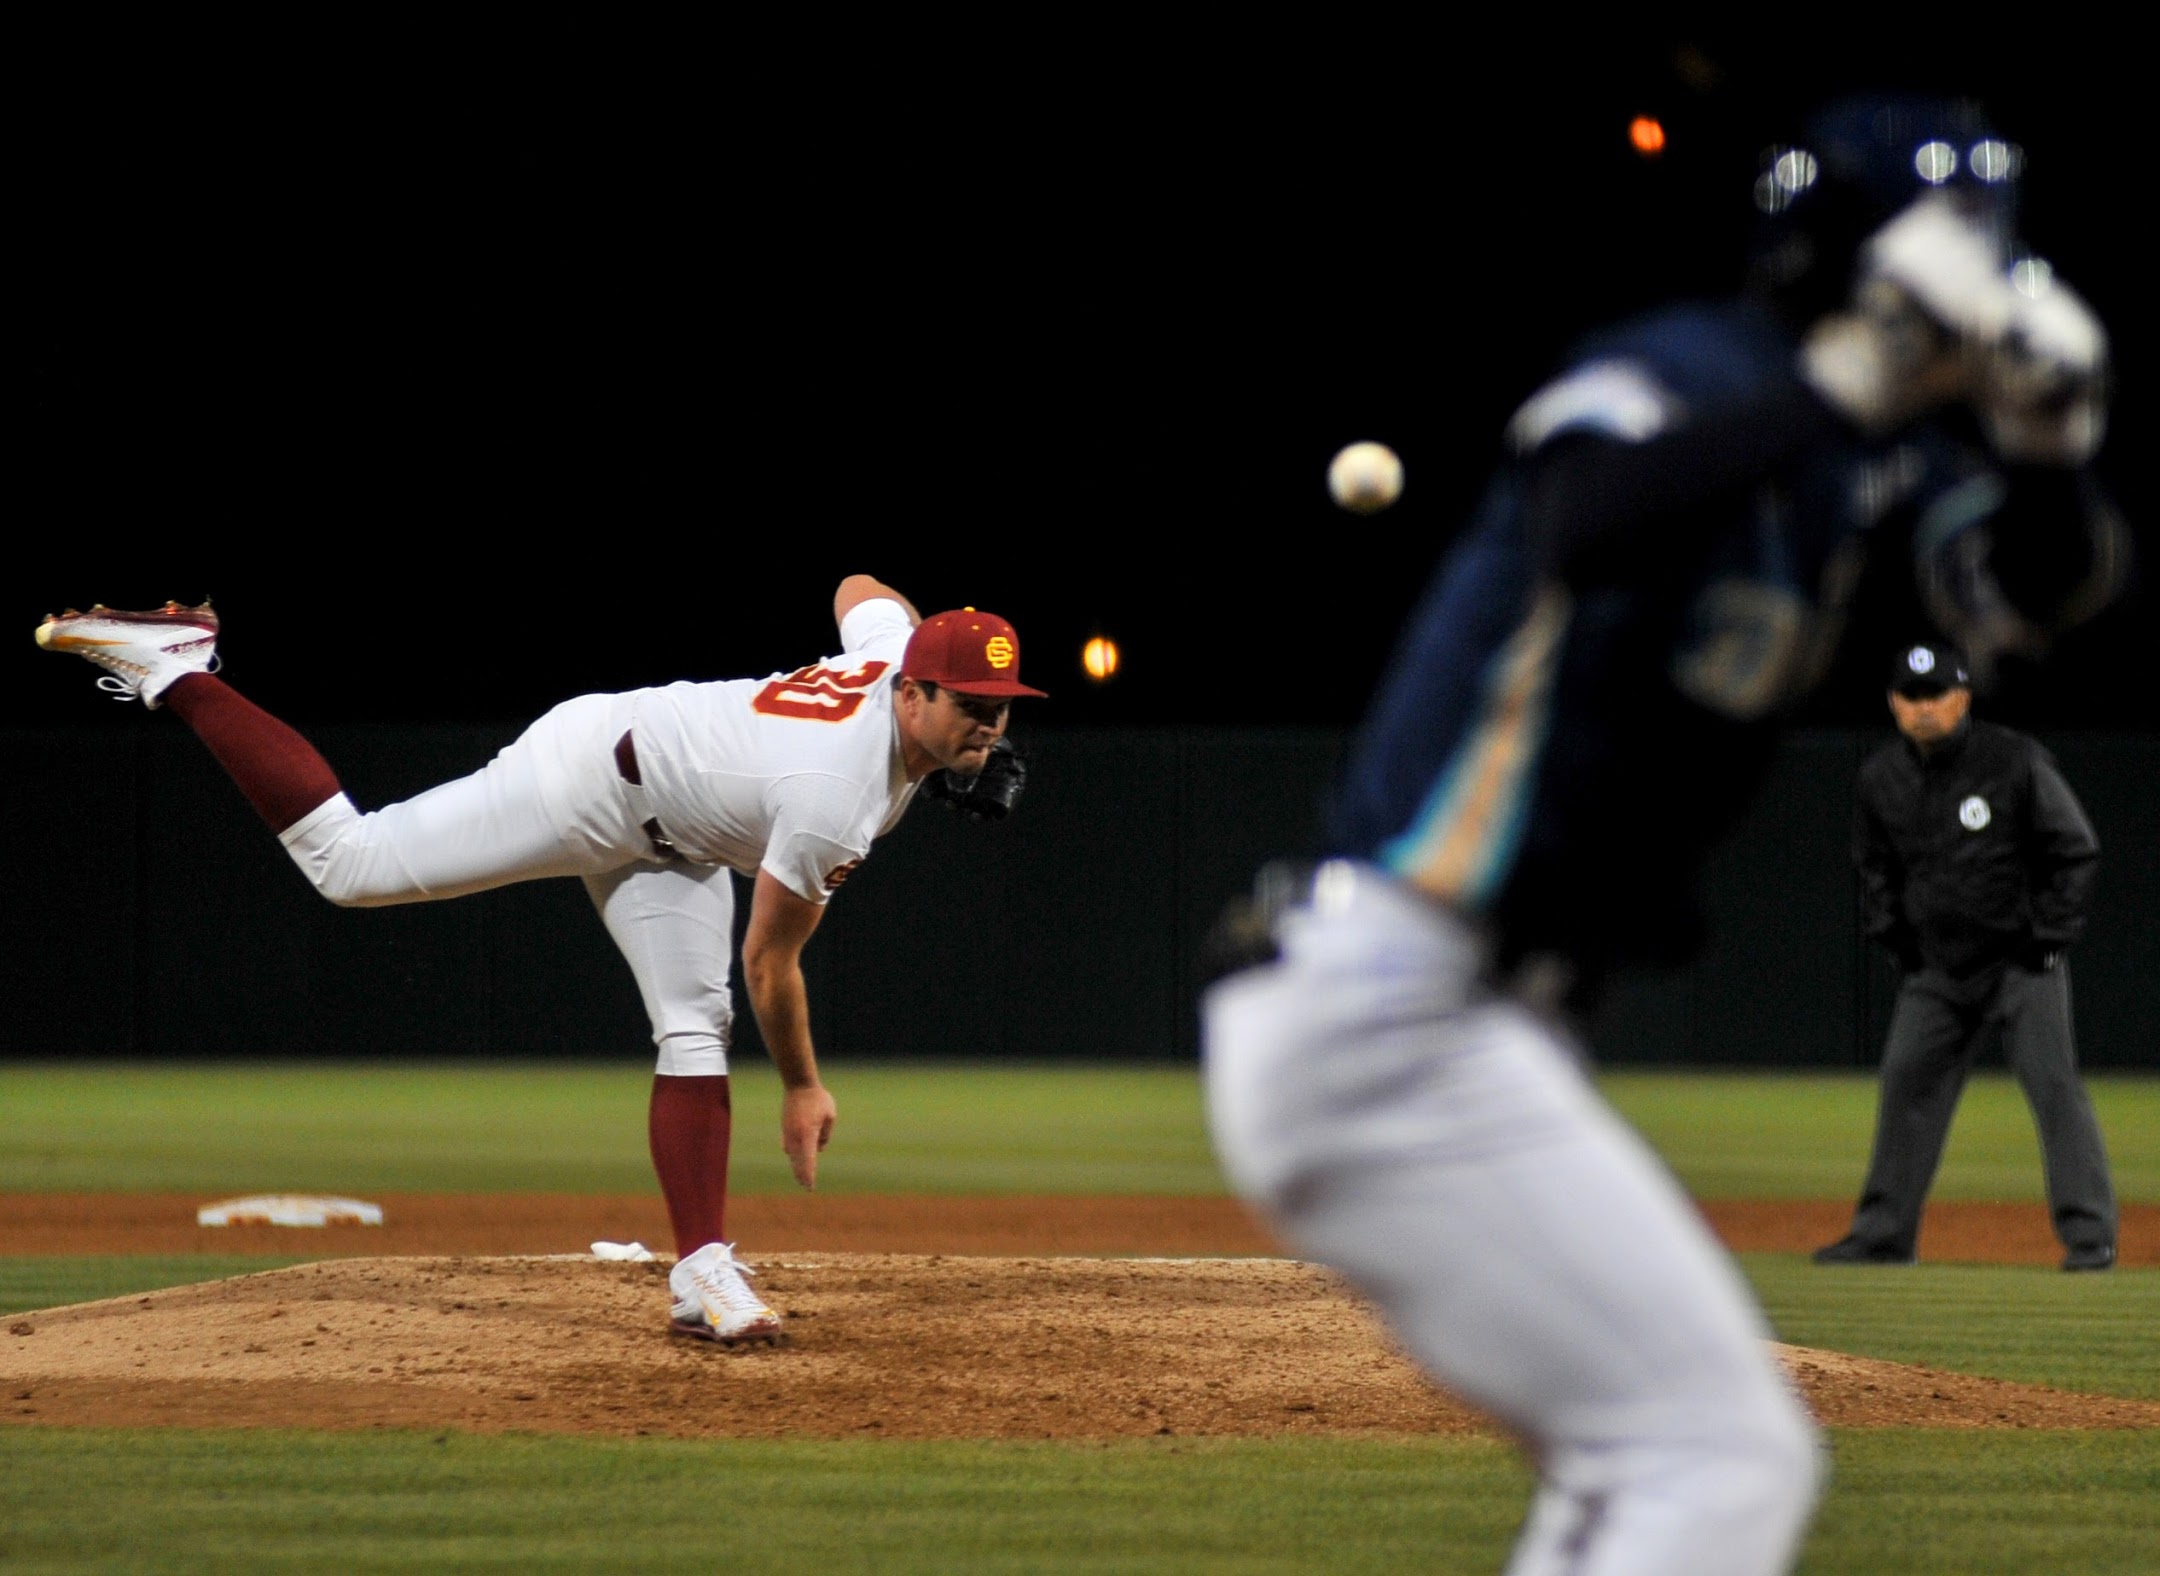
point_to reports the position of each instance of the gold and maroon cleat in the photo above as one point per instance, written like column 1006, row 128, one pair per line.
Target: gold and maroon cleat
column 141, row 653
column 714, row 1302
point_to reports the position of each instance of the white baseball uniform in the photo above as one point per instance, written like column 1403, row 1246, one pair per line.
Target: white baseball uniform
column 795, row 774
column 1441, row 1145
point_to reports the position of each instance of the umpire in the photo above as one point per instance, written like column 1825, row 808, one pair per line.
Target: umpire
column 1976, row 862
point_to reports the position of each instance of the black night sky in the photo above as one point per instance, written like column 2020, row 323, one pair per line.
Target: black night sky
column 461, row 387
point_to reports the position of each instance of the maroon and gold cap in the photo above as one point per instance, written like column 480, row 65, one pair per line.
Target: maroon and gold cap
column 967, row 650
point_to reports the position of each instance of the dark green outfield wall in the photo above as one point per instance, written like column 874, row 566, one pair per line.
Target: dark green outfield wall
column 150, row 915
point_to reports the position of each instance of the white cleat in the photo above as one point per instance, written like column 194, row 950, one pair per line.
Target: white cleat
column 714, row 1303
column 141, row 653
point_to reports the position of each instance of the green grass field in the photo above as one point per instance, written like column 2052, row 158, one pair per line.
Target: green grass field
column 1899, row 1501
column 509, row 1127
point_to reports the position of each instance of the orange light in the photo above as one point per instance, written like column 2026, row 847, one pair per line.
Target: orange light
column 1648, row 136
column 1100, row 658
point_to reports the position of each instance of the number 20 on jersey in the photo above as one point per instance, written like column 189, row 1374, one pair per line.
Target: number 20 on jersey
column 818, row 693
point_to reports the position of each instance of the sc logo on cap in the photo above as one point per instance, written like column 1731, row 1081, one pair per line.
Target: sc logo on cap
column 1920, row 660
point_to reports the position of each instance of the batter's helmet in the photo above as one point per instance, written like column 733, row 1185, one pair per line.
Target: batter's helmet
column 1855, row 163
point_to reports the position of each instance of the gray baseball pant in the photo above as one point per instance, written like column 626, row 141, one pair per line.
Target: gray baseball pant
column 1934, row 1039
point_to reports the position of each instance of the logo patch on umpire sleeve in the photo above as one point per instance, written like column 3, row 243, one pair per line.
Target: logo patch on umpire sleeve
column 1974, row 813
column 839, row 873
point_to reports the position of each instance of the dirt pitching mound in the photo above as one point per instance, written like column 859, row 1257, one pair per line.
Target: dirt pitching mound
column 880, row 1345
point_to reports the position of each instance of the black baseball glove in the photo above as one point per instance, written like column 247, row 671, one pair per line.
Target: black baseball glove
column 989, row 794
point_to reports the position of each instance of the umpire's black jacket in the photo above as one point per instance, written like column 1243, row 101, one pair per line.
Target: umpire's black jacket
column 1973, row 854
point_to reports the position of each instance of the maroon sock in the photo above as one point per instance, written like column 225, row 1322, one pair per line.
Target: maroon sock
column 278, row 771
column 689, row 1124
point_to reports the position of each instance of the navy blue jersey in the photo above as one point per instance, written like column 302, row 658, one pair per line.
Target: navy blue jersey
column 1587, row 694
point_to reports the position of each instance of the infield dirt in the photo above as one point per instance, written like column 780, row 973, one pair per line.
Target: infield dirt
column 922, row 1317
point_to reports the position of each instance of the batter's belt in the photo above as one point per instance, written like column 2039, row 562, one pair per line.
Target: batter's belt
column 1245, row 936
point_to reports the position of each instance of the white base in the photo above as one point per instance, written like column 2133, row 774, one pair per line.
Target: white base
column 289, row 1209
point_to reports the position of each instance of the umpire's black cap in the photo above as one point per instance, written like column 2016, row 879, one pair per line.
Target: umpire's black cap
column 1928, row 670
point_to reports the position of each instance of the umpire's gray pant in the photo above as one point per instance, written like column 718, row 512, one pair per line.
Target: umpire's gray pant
column 1933, row 1040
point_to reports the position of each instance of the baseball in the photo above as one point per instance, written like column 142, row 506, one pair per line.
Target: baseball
column 1365, row 477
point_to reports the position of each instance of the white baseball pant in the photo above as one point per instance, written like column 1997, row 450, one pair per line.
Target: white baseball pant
column 1443, row 1148
column 552, row 803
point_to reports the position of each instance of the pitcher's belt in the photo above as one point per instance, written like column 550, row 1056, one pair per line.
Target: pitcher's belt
column 626, row 764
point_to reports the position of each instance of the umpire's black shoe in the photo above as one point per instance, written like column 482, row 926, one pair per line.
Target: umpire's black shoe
column 2100, row 1256
column 1855, row 1250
